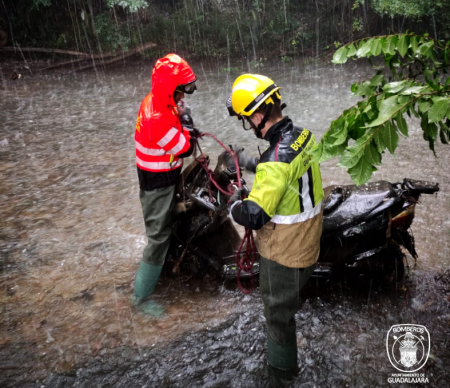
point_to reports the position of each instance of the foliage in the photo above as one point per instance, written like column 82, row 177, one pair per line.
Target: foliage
column 407, row 8
column 363, row 133
column 109, row 35
column 130, row 5
column 35, row 4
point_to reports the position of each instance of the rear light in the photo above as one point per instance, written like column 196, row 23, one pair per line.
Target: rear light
column 404, row 219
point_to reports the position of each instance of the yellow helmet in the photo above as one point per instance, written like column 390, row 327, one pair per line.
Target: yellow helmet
column 250, row 91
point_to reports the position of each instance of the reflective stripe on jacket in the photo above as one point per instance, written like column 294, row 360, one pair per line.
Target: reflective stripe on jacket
column 159, row 136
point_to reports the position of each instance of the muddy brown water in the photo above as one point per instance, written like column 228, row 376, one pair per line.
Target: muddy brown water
column 71, row 238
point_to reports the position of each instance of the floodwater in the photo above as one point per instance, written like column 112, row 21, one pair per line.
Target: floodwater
column 72, row 234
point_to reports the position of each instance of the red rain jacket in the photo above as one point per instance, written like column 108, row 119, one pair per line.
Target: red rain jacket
column 159, row 135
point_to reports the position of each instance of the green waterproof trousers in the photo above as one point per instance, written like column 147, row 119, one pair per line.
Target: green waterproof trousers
column 158, row 208
column 280, row 288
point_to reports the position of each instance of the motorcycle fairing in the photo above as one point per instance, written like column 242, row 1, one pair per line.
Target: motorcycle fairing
column 350, row 205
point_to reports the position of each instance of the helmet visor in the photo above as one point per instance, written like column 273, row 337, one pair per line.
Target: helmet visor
column 187, row 88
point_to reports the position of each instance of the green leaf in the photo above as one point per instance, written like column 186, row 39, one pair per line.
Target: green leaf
column 340, row 56
column 439, row 109
column 413, row 90
column 390, row 137
column 426, row 49
column 375, row 47
column 350, row 158
column 402, row 45
column 388, row 46
column 401, row 124
column 414, row 44
column 353, row 154
column 365, row 89
column 361, row 172
column 379, row 141
column 364, row 49
column 424, row 105
column 316, row 151
column 372, row 155
column 377, row 79
column 330, row 151
column 340, row 136
column 404, row 99
column 395, row 87
column 387, row 108
column 351, row 50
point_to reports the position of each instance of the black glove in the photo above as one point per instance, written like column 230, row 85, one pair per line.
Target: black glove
column 248, row 162
column 186, row 121
column 237, row 196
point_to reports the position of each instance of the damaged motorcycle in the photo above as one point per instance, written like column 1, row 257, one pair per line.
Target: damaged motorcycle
column 365, row 228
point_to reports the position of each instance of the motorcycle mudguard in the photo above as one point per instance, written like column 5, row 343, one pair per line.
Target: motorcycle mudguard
column 421, row 187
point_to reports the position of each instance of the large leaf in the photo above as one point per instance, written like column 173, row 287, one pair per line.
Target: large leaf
column 389, row 44
column 351, row 50
column 387, row 108
column 401, row 124
column 375, row 47
column 364, row 49
column 426, row 49
column 439, row 109
column 424, row 105
column 365, row 89
column 395, row 87
column 340, row 56
column 340, row 136
column 350, row 158
column 361, row 172
column 379, row 143
column 390, row 136
column 355, row 152
column 414, row 43
column 377, row 79
column 402, row 45
column 316, row 151
column 413, row 90
column 372, row 155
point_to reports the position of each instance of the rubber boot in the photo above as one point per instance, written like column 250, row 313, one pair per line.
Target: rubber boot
column 146, row 279
column 282, row 360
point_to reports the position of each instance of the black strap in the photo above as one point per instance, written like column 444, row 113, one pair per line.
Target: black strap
column 300, row 189
column 260, row 97
column 311, row 187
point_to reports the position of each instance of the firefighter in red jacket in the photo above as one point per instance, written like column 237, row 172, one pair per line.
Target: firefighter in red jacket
column 163, row 137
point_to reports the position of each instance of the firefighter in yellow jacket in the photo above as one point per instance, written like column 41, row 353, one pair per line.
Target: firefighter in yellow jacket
column 284, row 207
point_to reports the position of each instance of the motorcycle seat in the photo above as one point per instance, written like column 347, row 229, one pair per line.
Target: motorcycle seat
column 347, row 205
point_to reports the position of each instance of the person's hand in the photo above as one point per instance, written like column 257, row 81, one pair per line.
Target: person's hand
column 195, row 133
column 237, row 196
column 183, row 108
column 186, row 121
column 248, row 162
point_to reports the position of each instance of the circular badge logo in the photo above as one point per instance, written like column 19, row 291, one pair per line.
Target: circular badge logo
column 408, row 347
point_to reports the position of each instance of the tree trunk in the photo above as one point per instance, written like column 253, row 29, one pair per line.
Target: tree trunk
column 3, row 37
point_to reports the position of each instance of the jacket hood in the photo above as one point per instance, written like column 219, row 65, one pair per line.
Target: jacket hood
column 169, row 72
